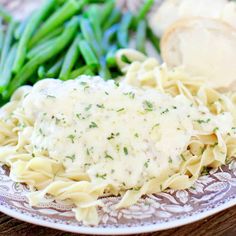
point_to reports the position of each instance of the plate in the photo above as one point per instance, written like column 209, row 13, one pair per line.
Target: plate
column 210, row 194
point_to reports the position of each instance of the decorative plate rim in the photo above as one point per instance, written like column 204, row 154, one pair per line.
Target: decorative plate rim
column 226, row 203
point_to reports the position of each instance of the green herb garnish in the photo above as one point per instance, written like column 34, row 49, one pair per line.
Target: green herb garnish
column 148, row 106
column 125, row 150
column 72, row 157
column 93, row 125
column 72, row 138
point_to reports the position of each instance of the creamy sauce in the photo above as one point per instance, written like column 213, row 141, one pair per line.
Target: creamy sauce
column 115, row 133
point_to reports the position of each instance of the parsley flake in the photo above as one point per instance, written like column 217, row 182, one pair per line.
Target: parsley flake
column 203, row 121
column 120, row 110
column 155, row 126
column 108, row 156
column 93, row 125
column 101, row 176
column 125, row 59
column 148, row 106
column 126, row 151
column 215, row 129
column 165, row 111
column 72, row 138
column 100, row 106
column 72, row 157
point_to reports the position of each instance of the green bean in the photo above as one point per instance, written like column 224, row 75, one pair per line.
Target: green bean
column 154, row 40
column 89, row 72
column 43, row 57
column 88, row 54
column 80, row 71
column 110, row 5
column 97, row 1
column 89, row 36
column 59, row 17
column 103, row 70
column 2, row 101
column 21, row 28
column 1, row 35
column 125, row 59
column 145, row 9
column 141, row 36
column 5, row 14
column 70, row 59
column 36, row 50
column 111, row 56
column 94, row 17
column 7, row 70
column 122, row 33
column 113, row 18
column 32, row 25
column 41, row 72
column 109, row 34
column 7, row 43
column 50, row 36
column 54, row 71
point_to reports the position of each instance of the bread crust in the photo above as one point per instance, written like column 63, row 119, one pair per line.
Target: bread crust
column 217, row 64
column 190, row 22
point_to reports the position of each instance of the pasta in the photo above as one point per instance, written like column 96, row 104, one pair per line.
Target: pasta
column 76, row 141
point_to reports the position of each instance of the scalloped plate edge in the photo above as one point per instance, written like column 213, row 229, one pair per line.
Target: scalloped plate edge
column 121, row 231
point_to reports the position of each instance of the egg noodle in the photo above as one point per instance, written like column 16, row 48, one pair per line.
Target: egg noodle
column 77, row 141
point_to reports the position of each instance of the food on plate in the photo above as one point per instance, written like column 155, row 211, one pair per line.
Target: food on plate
column 172, row 10
column 205, row 48
column 78, row 140
column 96, row 118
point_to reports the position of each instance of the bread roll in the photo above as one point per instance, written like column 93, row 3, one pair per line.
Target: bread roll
column 173, row 10
column 205, row 47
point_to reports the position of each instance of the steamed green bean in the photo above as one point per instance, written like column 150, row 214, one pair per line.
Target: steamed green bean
column 145, row 9
column 7, row 70
column 41, row 72
column 59, row 17
column 5, row 15
column 112, row 19
column 54, row 71
column 89, row 36
column 107, row 9
column 141, row 36
column 111, row 56
column 31, row 27
column 21, row 28
column 122, row 33
column 36, row 50
column 7, row 43
column 70, row 59
column 88, row 54
column 44, row 56
column 109, row 35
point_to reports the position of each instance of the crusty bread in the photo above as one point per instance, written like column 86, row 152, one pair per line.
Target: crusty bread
column 204, row 47
column 173, row 10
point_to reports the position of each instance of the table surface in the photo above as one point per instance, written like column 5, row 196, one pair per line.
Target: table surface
column 223, row 223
